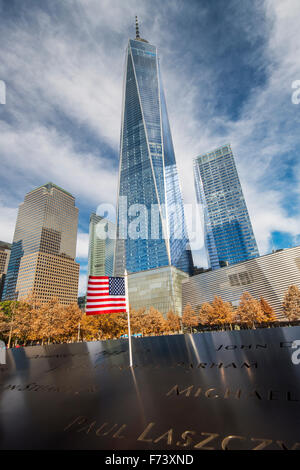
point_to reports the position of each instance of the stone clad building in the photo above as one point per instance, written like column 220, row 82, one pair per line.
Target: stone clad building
column 42, row 260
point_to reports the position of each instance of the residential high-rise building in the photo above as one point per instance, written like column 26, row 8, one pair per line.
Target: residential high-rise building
column 5, row 249
column 229, row 236
column 44, row 247
column 101, row 246
column 151, row 229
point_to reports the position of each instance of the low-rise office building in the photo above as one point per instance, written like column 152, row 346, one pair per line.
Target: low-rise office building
column 268, row 276
column 159, row 288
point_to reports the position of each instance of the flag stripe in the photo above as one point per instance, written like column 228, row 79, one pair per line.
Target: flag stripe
column 91, row 278
column 97, row 283
column 98, row 286
column 108, row 304
column 90, row 309
column 105, row 312
column 107, row 301
column 97, row 291
column 103, row 297
column 94, row 291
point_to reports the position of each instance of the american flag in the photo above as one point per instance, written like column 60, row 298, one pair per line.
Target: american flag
column 105, row 295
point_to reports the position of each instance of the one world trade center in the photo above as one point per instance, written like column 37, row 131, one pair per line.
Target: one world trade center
column 151, row 229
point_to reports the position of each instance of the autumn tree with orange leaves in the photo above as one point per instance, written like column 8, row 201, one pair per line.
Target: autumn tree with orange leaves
column 291, row 303
column 90, row 327
column 50, row 321
column 153, row 323
column 106, row 326
column 221, row 312
column 268, row 311
column 173, row 322
column 7, row 319
column 250, row 310
column 24, row 321
column 72, row 317
column 205, row 313
column 5, row 324
column 136, row 320
column 190, row 319
column 113, row 325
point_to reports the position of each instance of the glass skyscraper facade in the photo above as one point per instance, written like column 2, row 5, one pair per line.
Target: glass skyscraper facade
column 101, row 246
column 148, row 178
column 229, row 236
column 42, row 261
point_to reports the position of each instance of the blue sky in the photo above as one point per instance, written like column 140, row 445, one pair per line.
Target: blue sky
column 227, row 67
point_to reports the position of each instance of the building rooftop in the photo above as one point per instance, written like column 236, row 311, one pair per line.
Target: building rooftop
column 158, row 268
column 236, row 265
column 5, row 245
column 223, row 149
column 51, row 185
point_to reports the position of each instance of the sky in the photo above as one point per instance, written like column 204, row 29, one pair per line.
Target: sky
column 227, row 69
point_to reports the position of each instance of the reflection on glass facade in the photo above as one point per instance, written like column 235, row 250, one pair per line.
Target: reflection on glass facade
column 44, row 247
column 229, row 236
column 148, row 173
column 101, row 246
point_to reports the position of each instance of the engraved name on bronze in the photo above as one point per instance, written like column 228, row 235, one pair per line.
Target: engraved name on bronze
column 187, row 366
column 172, row 437
column 242, row 347
column 193, row 391
column 252, row 347
column 35, row 387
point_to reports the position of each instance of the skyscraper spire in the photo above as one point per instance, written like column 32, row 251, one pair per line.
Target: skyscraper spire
column 137, row 32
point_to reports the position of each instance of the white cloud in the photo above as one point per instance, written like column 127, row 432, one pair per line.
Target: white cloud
column 8, row 217
column 82, row 245
column 82, row 284
column 267, row 130
column 270, row 216
column 42, row 154
column 75, row 75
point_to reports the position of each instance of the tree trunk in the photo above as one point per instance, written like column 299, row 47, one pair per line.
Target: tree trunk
column 10, row 335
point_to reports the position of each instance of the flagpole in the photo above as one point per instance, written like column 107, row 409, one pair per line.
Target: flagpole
column 128, row 318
